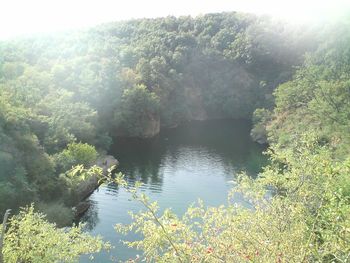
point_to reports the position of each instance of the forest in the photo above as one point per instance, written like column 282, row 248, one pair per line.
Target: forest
column 65, row 97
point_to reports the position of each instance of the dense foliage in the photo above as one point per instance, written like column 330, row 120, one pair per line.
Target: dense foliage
column 30, row 238
column 61, row 94
column 317, row 99
column 130, row 78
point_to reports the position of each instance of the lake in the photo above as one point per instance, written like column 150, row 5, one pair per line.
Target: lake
column 180, row 165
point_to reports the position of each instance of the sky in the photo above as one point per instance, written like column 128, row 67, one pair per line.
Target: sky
column 28, row 17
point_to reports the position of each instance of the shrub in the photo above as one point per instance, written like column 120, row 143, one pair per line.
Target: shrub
column 30, row 238
column 75, row 154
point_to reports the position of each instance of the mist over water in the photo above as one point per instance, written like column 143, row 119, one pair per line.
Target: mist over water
column 197, row 160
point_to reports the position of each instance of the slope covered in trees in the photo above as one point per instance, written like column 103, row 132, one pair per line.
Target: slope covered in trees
column 317, row 99
column 130, row 79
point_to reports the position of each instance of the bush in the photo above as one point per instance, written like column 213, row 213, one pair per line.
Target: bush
column 30, row 238
column 75, row 154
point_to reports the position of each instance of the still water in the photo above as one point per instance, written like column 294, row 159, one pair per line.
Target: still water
column 197, row 160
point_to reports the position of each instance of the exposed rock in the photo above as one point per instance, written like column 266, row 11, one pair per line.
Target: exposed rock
column 258, row 134
column 106, row 162
column 81, row 208
column 194, row 96
column 86, row 187
column 148, row 127
column 152, row 127
column 261, row 140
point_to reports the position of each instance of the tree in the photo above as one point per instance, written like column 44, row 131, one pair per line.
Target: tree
column 138, row 114
column 75, row 154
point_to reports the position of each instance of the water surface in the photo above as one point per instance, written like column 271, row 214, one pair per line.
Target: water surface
column 197, row 160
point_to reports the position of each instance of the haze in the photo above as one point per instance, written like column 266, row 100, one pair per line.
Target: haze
column 21, row 17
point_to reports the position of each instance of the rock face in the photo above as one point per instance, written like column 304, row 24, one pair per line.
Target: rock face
column 258, row 134
column 261, row 140
column 87, row 187
column 145, row 126
column 152, row 126
column 81, row 208
column 194, row 96
column 106, row 162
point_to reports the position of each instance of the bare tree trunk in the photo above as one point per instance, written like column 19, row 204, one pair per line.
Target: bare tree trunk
column 2, row 236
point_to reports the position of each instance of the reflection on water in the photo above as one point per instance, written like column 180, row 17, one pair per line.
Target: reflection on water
column 177, row 167
column 91, row 216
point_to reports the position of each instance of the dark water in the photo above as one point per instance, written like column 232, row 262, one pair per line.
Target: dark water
column 198, row 160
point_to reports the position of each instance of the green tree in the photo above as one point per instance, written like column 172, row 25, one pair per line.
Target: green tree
column 141, row 106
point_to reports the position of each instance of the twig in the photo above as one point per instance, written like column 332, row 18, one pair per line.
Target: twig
column 155, row 217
